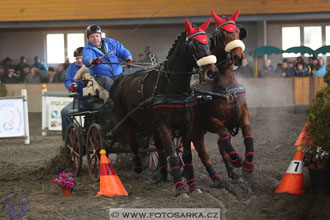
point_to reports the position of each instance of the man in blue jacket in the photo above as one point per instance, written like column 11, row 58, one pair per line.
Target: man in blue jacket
column 69, row 82
column 100, row 49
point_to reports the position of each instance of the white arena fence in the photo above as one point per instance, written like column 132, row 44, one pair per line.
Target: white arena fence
column 14, row 119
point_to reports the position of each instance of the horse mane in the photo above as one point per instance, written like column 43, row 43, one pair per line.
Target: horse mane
column 174, row 45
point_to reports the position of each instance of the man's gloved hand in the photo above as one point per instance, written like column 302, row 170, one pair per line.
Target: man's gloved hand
column 96, row 61
column 73, row 87
column 129, row 61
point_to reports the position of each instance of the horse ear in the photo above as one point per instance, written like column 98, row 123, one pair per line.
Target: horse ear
column 188, row 27
column 217, row 19
column 234, row 16
column 204, row 26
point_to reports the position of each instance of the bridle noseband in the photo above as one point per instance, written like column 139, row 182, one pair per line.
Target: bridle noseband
column 229, row 46
column 199, row 63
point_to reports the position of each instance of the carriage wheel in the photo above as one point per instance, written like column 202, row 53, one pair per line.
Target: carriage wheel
column 73, row 141
column 94, row 144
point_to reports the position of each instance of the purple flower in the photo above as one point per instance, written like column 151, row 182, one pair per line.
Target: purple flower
column 55, row 180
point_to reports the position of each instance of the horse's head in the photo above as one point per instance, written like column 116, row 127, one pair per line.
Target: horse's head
column 228, row 38
column 199, row 46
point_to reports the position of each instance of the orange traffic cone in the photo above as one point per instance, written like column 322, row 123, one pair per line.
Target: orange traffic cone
column 110, row 184
column 303, row 138
column 292, row 182
column 192, row 145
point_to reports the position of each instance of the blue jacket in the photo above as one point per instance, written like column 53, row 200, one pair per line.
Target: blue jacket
column 70, row 74
column 118, row 53
column 320, row 72
column 40, row 65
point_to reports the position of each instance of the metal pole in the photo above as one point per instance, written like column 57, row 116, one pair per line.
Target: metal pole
column 26, row 117
column 44, row 111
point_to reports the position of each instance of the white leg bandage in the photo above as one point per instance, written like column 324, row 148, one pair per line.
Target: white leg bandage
column 207, row 60
column 235, row 44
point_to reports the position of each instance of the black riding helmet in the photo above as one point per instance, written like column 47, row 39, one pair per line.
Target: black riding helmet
column 78, row 52
column 91, row 29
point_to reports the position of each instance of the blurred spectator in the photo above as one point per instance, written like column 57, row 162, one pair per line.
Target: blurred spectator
column 11, row 77
column 312, row 65
column 245, row 70
column 2, row 74
column 51, row 73
column 33, row 76
column 6, row 63
column 301, row 61
column 284, row 70
column 42, row 73
column 19, row 68
column 267, row 69
column 320, row 69
column 25, row 72
column 60, row 74
column 39, row 64
column 66, row 63
column 301, row 71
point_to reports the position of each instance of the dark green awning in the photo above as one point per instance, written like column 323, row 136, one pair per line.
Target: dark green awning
column 322, row 50
column 301, row 49
column 266, row 50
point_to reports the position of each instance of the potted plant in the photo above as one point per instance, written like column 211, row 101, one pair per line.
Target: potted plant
column 66, row 182
column 318, row 129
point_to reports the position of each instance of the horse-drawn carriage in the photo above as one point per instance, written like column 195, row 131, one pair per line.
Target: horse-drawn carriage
column 90, row 130
column 163, row 103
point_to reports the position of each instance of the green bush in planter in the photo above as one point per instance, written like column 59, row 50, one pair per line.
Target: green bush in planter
column 3, row 90
column 318, row 114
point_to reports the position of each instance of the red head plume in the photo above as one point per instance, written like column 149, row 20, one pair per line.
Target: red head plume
column 227, row 27
column 192, row 30
column 234, row 16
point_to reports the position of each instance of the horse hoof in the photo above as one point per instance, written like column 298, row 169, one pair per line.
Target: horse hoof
column 183, row 195
column 216, row 179
column 137, row 169
column 235, row 160
column 234, row 176
column 196, row 192
column 248, row 166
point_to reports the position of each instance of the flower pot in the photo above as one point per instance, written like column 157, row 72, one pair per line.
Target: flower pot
column 320, row 180
column 321, row 165
column 66, row 192
column 312, row 165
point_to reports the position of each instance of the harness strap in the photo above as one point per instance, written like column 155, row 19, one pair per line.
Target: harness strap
column 226, row 93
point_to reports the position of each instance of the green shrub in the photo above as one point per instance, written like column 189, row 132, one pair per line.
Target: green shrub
column 3, row 90
column 318, row 114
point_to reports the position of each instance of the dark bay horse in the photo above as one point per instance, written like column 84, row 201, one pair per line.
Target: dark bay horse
column 228, row 111
column 160, row 100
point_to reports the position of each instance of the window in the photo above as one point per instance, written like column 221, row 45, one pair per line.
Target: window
column 290, row 38
column 327, row 37
column 313, row 37
column 74, row 41
column 55, row 48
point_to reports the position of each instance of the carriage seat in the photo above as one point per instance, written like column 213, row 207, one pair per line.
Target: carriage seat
column 92, row 88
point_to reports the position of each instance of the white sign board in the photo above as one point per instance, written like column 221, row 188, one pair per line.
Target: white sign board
column 54, row 111
column 11, row 118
